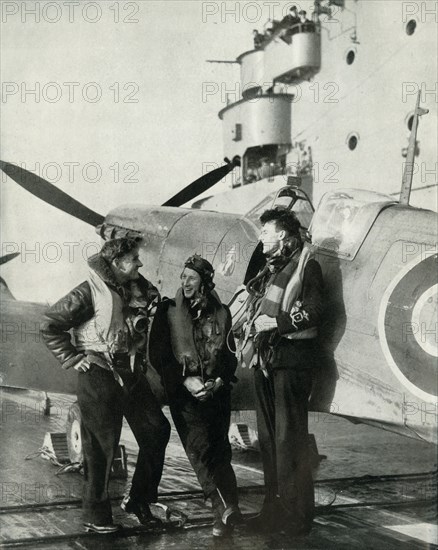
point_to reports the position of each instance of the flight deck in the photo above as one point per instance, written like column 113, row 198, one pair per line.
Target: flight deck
column 375, row 489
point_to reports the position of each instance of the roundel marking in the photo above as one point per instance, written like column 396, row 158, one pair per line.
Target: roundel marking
column 408, row 327
column 423, row 316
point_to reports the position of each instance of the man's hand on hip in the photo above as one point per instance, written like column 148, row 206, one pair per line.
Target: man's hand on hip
column 83, row 365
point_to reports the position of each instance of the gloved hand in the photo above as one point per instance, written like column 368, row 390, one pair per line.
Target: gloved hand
column 202, row 391
column 210, row 387
column 214, row 385
column 264, row 323
column 194, row 384
column 83, row 365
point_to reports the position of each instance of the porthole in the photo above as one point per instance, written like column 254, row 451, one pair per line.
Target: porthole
column 352, row 141
column 351, row 56
column 411, row 25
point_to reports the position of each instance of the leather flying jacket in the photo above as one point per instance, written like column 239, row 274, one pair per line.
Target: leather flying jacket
column 162, row 358
column 76, row 308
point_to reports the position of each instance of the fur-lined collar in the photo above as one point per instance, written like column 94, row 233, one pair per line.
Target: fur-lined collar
column 140, row 290
column 98, row 264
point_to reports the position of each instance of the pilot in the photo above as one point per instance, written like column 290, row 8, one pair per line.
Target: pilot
column 108, row 314
column 283, row 312
column 192, row 346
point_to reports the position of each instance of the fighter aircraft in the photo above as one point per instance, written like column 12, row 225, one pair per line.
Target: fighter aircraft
column 378, row 361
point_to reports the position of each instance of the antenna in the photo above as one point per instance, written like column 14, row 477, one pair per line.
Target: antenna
column 405, row 192
column 221, row 61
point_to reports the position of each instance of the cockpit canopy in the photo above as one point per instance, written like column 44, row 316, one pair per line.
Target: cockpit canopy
column 344, row 218
column 288, row 197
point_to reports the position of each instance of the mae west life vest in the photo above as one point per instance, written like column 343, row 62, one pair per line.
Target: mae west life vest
column 183, row 340
column 106, row 331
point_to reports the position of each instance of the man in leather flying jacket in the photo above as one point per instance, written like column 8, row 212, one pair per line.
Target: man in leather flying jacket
column 108, row 316
column 192, row 346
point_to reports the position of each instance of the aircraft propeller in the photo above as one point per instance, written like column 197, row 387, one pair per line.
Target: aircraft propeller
column 203, row 183
column 52, row 195
column 5, row 293
column 8, row 257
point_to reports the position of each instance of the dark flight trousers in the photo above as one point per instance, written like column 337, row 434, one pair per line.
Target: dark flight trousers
column 203, row 430
column 282, row 420
column 103, row 402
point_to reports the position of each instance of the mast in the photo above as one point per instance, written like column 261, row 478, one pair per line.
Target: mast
column 405, row 192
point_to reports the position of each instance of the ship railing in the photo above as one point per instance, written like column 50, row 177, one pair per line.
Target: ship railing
column 287, row 33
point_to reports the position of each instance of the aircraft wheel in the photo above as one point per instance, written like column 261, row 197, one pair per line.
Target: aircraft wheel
column 73, row 429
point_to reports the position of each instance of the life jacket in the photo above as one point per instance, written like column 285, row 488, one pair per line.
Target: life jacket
column 290, row 302
column 106, row 331
column 287, row 299
column 184, row 348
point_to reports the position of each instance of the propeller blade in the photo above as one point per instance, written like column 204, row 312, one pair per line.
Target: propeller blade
column 51, row 194
column 8, row 257
column 202, row 184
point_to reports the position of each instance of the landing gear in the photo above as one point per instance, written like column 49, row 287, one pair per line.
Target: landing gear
column 73, row 430
column 119, row 467
column 47, row 404
column 315, row 457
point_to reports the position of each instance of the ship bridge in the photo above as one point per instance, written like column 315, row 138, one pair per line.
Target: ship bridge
column 290, row 59
column 258, row 127
column 259, row 131
column 289, row 56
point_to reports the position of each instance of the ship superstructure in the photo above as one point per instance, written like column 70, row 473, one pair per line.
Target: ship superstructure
column 328, row 103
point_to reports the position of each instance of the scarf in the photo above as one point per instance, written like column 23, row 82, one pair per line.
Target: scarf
column 272, row 300
column 284, row 286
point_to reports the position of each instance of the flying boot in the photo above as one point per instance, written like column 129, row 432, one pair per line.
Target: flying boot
column 142, row 511
column 231, row 515
column 218, row 508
